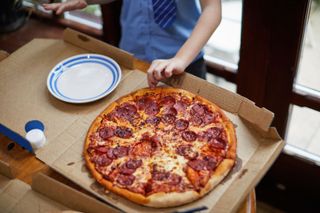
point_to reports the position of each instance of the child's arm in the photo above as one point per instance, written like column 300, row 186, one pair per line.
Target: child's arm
column 208, row 22
column 72, row 5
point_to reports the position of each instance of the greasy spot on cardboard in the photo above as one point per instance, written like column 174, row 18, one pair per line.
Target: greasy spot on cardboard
column 71, row 163
column 243, row 172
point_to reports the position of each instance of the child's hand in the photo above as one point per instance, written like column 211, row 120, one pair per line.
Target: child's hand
column 65, row 6
column 162, row 69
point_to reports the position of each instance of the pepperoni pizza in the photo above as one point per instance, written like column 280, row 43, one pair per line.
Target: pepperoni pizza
column 160, row 147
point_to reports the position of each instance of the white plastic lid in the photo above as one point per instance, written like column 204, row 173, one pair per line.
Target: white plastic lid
column 36, row 137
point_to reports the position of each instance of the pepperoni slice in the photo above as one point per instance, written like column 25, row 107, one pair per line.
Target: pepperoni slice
column 142, row 102
column 208, row 118
column 170, row 111
column 211, row 133
column 102, row 160
column 189, row 136
column 106, row 132
column 153, row 120
column 133, row 164
column 187, row 152
column 127, row 112
column 101, row 150
column 196, row 120
column 126, row 180
column 198, row 164
column 167, row 101
column 211, row 162
column 123, row 169
column 214, row 131
column 181, row 124
column 168, row 118
column 123, row 132
column 130, row 166
column 217, row 143
column 111, row 116
column 120, row 151
column 198, row 109
column 152, row 108
column 160, row 176
column 110, row 154
column 128, row 107
column 180, row 106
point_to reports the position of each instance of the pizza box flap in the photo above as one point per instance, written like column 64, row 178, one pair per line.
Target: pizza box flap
column 45, row 195
column 68, row 196
column 23, row 79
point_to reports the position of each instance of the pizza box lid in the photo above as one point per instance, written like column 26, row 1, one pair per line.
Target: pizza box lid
column 24, row 97
column 44, row 195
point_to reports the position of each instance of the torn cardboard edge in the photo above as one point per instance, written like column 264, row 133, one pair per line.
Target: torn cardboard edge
column 240, row 105
column 58, row 192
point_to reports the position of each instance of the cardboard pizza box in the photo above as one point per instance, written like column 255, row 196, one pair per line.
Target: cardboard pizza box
column 44, row 195
column 24, row 97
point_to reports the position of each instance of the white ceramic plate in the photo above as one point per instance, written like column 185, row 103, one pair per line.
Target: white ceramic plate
column 84, row 78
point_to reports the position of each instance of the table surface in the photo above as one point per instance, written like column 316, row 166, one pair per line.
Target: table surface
column 25, row 164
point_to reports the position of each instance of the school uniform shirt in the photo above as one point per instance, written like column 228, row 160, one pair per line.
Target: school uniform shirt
column 146, row 39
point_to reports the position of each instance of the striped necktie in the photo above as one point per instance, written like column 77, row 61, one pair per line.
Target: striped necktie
column 164, row 12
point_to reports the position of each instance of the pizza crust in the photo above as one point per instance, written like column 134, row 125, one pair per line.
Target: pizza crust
column 162, row 200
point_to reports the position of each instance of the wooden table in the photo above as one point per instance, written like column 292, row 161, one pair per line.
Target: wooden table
column 25, row 164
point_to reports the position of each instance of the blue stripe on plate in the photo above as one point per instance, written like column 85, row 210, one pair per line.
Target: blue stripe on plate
column 85, row 59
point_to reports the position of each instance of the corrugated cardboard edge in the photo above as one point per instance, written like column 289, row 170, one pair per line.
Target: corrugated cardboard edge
column 67, row 196
column 93, row 45
column 6, row 170
column 227, row 100
column 3, row 54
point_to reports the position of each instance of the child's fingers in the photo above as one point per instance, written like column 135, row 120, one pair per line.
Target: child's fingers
column 53, row 6
column 158, row 71
column 152, row 66
column 168, row 71
column 152, row 82
column 65, row 7
column 60, row 10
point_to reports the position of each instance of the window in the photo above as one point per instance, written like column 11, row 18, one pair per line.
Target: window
column 303, row 134
column 90, row 16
